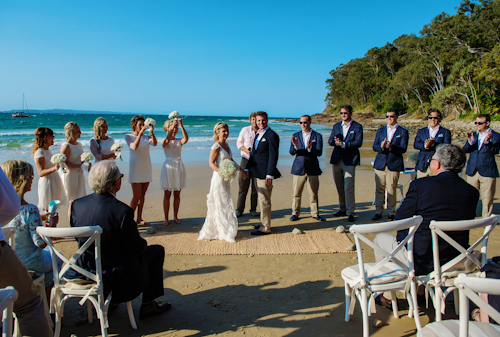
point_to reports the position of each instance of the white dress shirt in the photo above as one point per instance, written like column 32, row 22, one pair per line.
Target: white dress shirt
column 246, row 139
column 481, row 137
column 432, row 133
column 305, row 138
column 391, row 130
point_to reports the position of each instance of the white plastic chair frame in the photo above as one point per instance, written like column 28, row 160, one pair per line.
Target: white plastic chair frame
column 361, row 285
column 8, row 296
column 60, row 294
column 435, row 279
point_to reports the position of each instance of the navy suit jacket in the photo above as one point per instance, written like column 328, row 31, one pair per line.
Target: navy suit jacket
column 305, row 161
column 122, row 247
column 391, row 158
column 264, row 159
column 444, row 197
column 442, row 137
column 483, row 160
column 353, row 141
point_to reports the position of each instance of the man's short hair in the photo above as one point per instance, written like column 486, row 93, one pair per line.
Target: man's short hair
column 308, row 117
column 488, row 118
column 261, row 113
column 103, row 176
column 436, row 111
column 451, row 157
column 393, row 110
column 347, row 107
column 252, row 115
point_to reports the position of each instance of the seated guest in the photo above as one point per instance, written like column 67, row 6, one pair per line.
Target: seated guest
column 130, row 267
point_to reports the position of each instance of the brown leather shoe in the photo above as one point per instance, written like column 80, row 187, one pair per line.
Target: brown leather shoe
column 153, row 309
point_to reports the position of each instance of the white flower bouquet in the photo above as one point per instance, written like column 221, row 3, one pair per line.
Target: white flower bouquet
column 117, row 147
column 86, row 157
column 228, row 169
column 173, row 115
column 60, row 159
column 149, row 122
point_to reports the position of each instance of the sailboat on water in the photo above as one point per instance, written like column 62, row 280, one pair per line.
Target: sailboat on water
column 21, row 113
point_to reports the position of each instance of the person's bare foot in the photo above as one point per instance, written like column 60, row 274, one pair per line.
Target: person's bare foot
column 142, row 223
column 165, row 223
column 177, row 220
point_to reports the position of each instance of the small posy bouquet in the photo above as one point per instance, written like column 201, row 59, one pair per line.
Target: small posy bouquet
column 173, row 115
column 60, row 159
column 86, row 157
column 117, row 147
column 149, row 122
column 228, row 169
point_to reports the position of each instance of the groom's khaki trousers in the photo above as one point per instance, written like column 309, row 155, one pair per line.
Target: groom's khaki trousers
column 264, row 192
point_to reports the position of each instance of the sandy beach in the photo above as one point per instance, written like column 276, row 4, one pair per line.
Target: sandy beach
column 254, row 295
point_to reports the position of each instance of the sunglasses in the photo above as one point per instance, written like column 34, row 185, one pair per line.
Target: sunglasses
column 344, row 113
column 303, row 122
column 430, row 117
column 390, row 116
column 479, row 123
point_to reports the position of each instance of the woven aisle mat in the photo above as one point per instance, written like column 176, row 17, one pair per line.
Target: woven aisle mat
column 311, row 242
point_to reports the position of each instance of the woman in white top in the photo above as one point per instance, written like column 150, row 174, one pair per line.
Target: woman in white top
column 74, row 180
column 140, row 169
column 173, row 172
column 50, row 185
column 100, row 145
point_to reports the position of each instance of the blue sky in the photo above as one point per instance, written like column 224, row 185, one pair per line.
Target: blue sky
column 197, row 57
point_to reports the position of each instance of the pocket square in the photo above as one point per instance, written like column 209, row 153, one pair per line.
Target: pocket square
column 263, row 140
column 398, row 136
column 351, row 132
column 440, row 135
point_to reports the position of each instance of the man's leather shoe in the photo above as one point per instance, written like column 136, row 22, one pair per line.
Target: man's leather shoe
column 153, row 309
column 319, row 218
column 377, row 217
column 238, row 214
column 350, row 218
column 391, row 217
column 256, row 226
column 294, row 218
column 259, row 233
column 339, row 213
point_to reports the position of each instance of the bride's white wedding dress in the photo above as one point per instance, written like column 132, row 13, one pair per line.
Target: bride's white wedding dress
column 221, row 222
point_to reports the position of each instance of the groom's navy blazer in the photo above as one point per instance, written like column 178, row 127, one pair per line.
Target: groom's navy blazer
column 483, row 160
column 391, row 158
column 353, row 141
column 264, row 159
column 307, row 161
column 443, row 136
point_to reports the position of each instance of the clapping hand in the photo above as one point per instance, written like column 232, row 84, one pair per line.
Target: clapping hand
column 179, row 120
column 384, row 143
column 470, row 137
column 309, row 144
column 338, row 141
column 429, row 142
column 487, row 138
column 295, row 142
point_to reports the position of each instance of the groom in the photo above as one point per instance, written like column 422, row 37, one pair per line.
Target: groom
column 263, row 161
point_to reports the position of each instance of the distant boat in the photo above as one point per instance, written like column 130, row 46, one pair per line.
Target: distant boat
column 21, row 113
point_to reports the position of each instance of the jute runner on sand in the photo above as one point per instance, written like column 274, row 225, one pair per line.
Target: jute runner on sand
column 311, row 242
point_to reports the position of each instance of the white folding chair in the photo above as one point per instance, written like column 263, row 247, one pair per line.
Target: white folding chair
column 468, row 261
column 8, row 296
column 365, row 281
column 91, row 291
column 468, row 287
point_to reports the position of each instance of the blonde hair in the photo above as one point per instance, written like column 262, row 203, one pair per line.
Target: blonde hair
column 167, row 125
column 68, row 130
column 40, row 134
column 18, row 172
column 97, row 131
column 217, row 128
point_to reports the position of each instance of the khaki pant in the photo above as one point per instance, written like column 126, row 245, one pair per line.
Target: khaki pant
column 312, row 187
column 344, row 176
column 264, row 192
column 424, row 173
column 386, row 180
column 486, row 187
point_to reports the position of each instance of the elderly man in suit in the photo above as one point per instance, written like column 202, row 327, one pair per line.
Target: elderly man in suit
column 482, row 169
column 130, row 267
column 346, row 138
column 390, row 143
column 263, row 160
column 306, row 146
column 428, row 139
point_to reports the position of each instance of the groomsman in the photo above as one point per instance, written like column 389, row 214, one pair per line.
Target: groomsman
column 346, row 138
column 263, row 160
column 390, row 143
column 245, row 144
column 306, row 146
column 428, row 139
column 482, row 169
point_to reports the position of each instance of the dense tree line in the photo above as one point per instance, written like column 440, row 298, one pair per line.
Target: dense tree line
column 454, row 65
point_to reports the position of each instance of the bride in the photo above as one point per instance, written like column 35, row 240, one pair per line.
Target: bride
column 221, row 222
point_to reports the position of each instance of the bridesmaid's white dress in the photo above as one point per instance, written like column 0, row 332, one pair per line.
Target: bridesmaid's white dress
column 103, row 148
column 51, row 186
column 140, row 169
column 221, row 222
column 173, row 172
column 73, row 179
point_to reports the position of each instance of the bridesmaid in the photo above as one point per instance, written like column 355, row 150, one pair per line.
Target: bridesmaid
column 74, row 180
column 100, row 145
column 50, row 185
column 140, row 169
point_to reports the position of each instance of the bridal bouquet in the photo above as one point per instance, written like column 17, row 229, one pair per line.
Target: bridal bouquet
column 86, row 157
column 116, row 147
column 149, row 122
column 60, row 159
column 173, row 115
column 228, row 169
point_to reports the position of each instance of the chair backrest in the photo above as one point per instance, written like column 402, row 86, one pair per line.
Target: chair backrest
column 438, row 229
column 468, row 288
column 7, row 299
column 358, row 230
column 8, row 295
column 94, row 236
column 9, row 235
